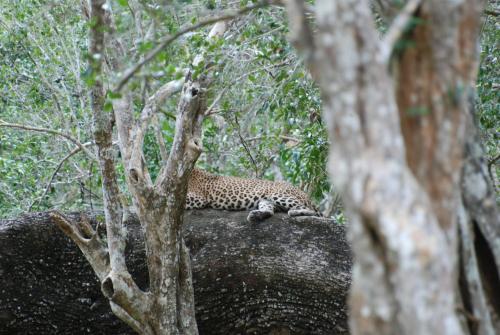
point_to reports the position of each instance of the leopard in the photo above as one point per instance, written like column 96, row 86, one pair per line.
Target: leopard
column 262, row 197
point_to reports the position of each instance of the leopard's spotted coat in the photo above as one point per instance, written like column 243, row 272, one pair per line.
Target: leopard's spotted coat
column 233, row 193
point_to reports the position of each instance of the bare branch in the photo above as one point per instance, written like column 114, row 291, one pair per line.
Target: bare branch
column 397, row 29
column 186, row 147
column 210, row 110
column 164, row 42
column 119, row 288
column 245, row 146
column 49, row 131
column 69, row 229
column 167, row 90
column 58, row 167
column 118, row 285
column 186, row 139
column 136, row 160
column 122, row 314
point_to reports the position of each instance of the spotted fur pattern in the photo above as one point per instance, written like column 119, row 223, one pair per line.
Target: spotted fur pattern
column 206, row 190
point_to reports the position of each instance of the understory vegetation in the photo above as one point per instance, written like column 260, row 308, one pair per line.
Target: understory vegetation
column 265, row 111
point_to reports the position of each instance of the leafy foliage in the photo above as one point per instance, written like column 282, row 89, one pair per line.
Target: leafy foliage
column 265, row 109
column 488, row 90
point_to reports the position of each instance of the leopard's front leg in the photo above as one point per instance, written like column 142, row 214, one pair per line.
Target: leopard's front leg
column 264, row 211
column 302, row 211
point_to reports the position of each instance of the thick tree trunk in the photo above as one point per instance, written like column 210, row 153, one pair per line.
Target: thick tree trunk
column 398, row 135
column 280, row 276
column 479, row 223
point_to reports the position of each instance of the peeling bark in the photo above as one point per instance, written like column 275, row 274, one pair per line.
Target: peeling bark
column 284, row 276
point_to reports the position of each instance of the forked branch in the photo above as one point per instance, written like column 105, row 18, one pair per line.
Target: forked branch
column 87, row 239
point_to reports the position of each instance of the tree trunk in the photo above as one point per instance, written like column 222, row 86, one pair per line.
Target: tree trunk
column 167, row 307
column 398, row 135
column 280, row 276
column 479, row 221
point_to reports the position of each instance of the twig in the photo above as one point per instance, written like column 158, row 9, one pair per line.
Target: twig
column 210, row 110
column 397, row 29
column 283, row 137
column 49, row 131
column 170, row 38
column 58, row 167
column 245, row 146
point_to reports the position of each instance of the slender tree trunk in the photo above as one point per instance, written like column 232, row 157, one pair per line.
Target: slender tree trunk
column 167, row 307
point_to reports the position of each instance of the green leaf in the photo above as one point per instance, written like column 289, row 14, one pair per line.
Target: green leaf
column 108, row 106
column 170, row 69
column 114, row 95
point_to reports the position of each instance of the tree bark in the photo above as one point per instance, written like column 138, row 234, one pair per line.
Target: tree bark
column 280, row 276
column 398, row 134
column 479, row 232
column 478, row 216
column 167, row 307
